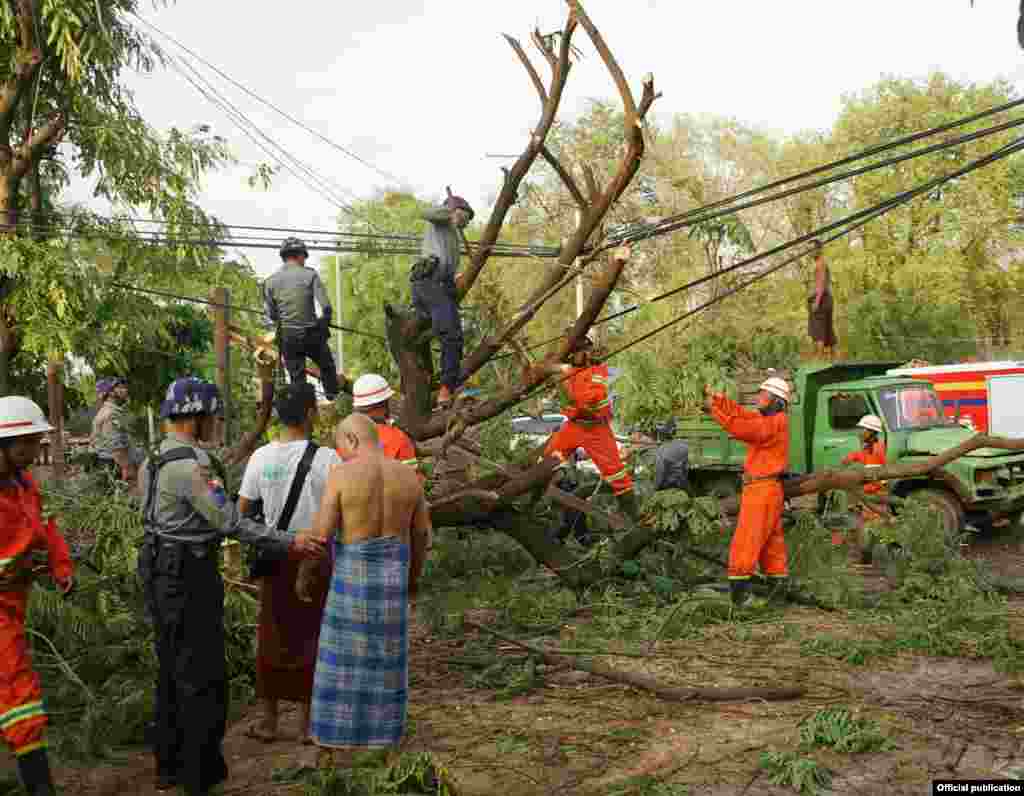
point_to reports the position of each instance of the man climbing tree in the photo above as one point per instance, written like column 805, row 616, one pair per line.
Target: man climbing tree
column 435, row 285
column 589, row 426
column 289, row 294
column 819, row 305
column 758, row 538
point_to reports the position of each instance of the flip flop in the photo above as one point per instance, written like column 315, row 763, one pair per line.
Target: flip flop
column 255, row 732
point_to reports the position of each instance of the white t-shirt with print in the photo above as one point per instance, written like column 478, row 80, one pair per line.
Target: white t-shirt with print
column 269, row 474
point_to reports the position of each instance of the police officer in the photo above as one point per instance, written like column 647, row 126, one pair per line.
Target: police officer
column 434, row 286
column 110, row 440
column 186, row 515
column 288, row 295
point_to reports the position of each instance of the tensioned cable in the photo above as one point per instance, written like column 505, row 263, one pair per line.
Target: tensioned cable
column 853, row 222
column 269, row 104
column 869, row 152
column 235, row 307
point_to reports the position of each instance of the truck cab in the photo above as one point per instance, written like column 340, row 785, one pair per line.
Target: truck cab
column 827, row 404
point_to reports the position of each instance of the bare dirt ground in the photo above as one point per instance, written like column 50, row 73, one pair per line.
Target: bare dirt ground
column 580, row 734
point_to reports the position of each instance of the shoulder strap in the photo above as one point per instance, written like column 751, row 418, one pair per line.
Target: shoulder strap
column 155, row 463
column 293, row 494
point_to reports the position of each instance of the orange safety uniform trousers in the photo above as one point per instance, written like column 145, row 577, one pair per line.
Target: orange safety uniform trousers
column 599, row 443
column 758, row 538
column 22, row 718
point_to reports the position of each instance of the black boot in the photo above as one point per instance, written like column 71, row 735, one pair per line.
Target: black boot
column 34, row 769
column 780, row 586
column 629, row 506
column 740, row 591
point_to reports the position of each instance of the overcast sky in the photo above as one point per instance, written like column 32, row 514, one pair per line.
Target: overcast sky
column 425, row 89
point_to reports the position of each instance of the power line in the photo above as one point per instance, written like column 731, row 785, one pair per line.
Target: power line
column 865, row 153
column 235, row 307
column 251, row 131
column 270, row 105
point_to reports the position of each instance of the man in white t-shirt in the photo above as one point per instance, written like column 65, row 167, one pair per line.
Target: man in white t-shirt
column 289, row 628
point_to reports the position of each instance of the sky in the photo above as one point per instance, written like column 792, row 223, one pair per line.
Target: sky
column 425, row 90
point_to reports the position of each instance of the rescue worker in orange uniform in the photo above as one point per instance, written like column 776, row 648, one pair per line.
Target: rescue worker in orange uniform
column 871, row 454
column 872, row 450
column 758, row 538
column 22, row 716
column 589, row 425
column 371, row 396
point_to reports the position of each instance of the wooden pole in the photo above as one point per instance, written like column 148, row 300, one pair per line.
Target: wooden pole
column 221, row 348
column 55, row 396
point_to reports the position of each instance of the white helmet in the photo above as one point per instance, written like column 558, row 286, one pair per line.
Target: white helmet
column 776, row 387
column 871, row 423
column 20, row 416
column 370, row 389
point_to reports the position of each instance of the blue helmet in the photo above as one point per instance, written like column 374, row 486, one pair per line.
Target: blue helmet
column 106, row 386
column 190, row 396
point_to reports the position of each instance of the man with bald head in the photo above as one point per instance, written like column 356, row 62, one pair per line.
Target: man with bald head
column 375, row 515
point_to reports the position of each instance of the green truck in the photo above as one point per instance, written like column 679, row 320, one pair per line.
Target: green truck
column 829, row 400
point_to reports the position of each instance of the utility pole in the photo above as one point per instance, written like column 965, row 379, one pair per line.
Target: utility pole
column 339, row 341
column 221, row 320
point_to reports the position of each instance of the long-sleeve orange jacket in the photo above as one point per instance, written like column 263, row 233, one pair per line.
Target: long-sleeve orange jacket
column 766, row 437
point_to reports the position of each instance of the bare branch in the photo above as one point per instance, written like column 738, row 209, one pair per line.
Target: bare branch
column 537, row 82
column 609, row 60
column 543, row 44
column 565, row 177
column 510, row 187
column 591, row 179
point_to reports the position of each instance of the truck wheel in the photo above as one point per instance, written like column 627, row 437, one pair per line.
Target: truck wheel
column 946, row 504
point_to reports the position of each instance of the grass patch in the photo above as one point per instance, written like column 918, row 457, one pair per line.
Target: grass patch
column 838, row 729
column 789, row 769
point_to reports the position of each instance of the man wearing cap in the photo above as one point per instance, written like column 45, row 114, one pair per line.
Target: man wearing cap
column 435, row 283
column 371, row 395
column 110, row 440
column 289, row 294
column 22, row 531
column 758, row 538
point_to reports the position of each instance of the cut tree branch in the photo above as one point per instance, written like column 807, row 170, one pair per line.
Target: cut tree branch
column 530, row 70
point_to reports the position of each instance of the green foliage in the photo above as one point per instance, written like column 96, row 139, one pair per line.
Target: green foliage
column 647, row 786
column 838, row 729
column 371, row 775
column 94, row 649
column 803, row 774
column 896, row 324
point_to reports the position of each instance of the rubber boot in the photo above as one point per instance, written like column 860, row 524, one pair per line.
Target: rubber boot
column 628, row 505
column 740, row 592
column 779, row 588
column 34, row 769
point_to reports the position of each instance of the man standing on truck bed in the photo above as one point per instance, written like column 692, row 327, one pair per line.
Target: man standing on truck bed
column 820, row 326
column 758, row 537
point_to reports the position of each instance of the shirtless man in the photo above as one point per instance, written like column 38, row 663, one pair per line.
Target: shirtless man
column 378, row 510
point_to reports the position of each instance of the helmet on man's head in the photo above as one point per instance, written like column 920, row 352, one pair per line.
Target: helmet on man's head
column 20, row 416
column 293, row 246
column 370, row 389
column 454, row 202
column 190, row 396
column 777, row 387
column 871, row 423
column 106, row 386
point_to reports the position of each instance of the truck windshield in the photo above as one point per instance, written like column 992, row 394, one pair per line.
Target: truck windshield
column 912, row 407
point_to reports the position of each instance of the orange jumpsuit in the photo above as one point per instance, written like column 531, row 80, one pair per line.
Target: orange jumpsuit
column 22, row 530
column 589, row 426
column 874, row 455
column 759, row 537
